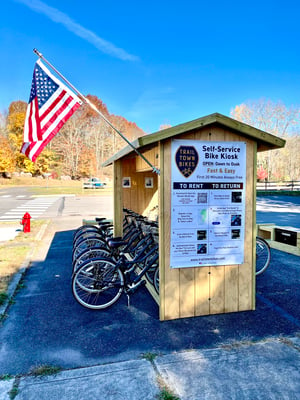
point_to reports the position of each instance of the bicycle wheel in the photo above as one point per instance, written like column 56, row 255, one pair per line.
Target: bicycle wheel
column 150, row 273
column 87, row 243
column 152, row 266
column 84, row 228
column 87, row 254
column 87, row 229
column 98, row 284
column 86, row 235
column 263, row 255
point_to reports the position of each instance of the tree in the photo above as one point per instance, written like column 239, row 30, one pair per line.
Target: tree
column 164, row 126
column 262, row 174
column 7, row 159
column 86, row 140
column 290, row 160
column 15, row 126
column 79, row 148
column 68, row 145
column 2, row 124
column 268, row 116
column 279, row 120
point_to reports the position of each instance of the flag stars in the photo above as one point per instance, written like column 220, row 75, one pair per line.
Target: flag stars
column 43, row 86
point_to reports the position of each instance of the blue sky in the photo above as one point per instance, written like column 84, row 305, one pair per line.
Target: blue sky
column 158, row 62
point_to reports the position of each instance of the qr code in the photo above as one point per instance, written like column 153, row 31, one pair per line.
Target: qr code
column 202, row 198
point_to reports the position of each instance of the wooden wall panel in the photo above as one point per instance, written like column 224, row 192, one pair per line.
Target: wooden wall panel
column 188, row 292
column 187, row 282
column 202, row 290
column 129, row 193
column 217, row 290
column 151, row 155
column 246, row 276
column 231, row 272
column 169, row 281
column 198, row 291
column 137, row 197
column 231, row 277
column 118, row 199
column 146, row 194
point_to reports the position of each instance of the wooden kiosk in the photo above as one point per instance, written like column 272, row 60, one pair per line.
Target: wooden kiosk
column 209, row 144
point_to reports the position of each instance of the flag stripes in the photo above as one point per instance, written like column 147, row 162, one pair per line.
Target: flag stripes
column 33, row 149
column 51, row 104
column 32, row 128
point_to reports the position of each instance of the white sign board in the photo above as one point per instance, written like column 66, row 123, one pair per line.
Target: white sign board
column 207, row 203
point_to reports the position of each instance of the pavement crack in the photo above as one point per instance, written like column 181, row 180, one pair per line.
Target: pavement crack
column 290, row 343
column 15, row 389
column 166, row 392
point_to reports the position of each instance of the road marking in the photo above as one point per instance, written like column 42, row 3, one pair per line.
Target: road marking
column 35, row 207
column 20, row 196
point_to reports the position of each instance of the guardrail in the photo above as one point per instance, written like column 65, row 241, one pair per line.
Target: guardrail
column 277, row 186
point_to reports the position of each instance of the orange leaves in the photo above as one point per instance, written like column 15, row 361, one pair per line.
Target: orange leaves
column 7, row 159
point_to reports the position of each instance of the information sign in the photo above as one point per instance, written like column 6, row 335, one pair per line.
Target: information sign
column 207, row 203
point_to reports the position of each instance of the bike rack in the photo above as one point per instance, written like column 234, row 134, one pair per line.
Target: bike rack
column 194, row 290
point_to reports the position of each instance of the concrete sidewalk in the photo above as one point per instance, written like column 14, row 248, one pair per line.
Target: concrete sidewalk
column 265, row 370
column 9, row 232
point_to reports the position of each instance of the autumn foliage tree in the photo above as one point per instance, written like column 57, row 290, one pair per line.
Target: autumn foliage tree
column 14, row 127
column 279, row 120
column 86, row 140
column 262, row 173
column 79, row 148
column 7, row 159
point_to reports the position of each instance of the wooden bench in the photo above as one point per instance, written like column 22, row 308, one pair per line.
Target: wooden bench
column 283, row 238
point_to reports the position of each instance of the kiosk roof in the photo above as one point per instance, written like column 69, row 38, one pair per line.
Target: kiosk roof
column 265, row 140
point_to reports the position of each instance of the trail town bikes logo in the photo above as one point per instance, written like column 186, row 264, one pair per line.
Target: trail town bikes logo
column 186, row 158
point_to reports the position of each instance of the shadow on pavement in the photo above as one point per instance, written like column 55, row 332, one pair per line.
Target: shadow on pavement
column 47, row 326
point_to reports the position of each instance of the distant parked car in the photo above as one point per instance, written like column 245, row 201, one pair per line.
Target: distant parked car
column 93, row 183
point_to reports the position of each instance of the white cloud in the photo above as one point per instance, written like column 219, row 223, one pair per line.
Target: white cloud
column 61, row 18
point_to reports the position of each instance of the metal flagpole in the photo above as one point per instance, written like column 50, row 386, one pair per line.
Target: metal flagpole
column 86, row 100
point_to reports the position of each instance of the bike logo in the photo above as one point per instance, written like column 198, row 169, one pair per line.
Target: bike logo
column 186, row 159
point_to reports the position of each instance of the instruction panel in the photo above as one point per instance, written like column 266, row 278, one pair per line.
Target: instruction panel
column 207, row 203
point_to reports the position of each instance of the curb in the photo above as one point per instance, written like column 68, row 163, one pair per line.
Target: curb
column 16, row 279
column 53, row 195
column 166, row 373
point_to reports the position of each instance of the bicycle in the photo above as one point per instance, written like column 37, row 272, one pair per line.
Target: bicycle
column 89, row 241
column 113, row 246
column 263, row 255
column 98, row 283
column 101, row 240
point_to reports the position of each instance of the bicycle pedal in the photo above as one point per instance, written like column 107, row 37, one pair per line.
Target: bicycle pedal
column 134, row 286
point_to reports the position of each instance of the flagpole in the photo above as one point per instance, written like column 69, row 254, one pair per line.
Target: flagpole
column 86, row 100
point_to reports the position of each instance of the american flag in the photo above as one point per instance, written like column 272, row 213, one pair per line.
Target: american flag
column 50, row 105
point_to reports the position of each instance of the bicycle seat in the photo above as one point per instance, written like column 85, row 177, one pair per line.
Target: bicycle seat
column 114, row 243
column 106, row 225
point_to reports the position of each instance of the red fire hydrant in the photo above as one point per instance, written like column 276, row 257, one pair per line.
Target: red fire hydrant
column 26, row 222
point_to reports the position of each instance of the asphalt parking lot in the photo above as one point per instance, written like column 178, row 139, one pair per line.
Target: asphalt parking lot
column 46, row 325
column 127, row 353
